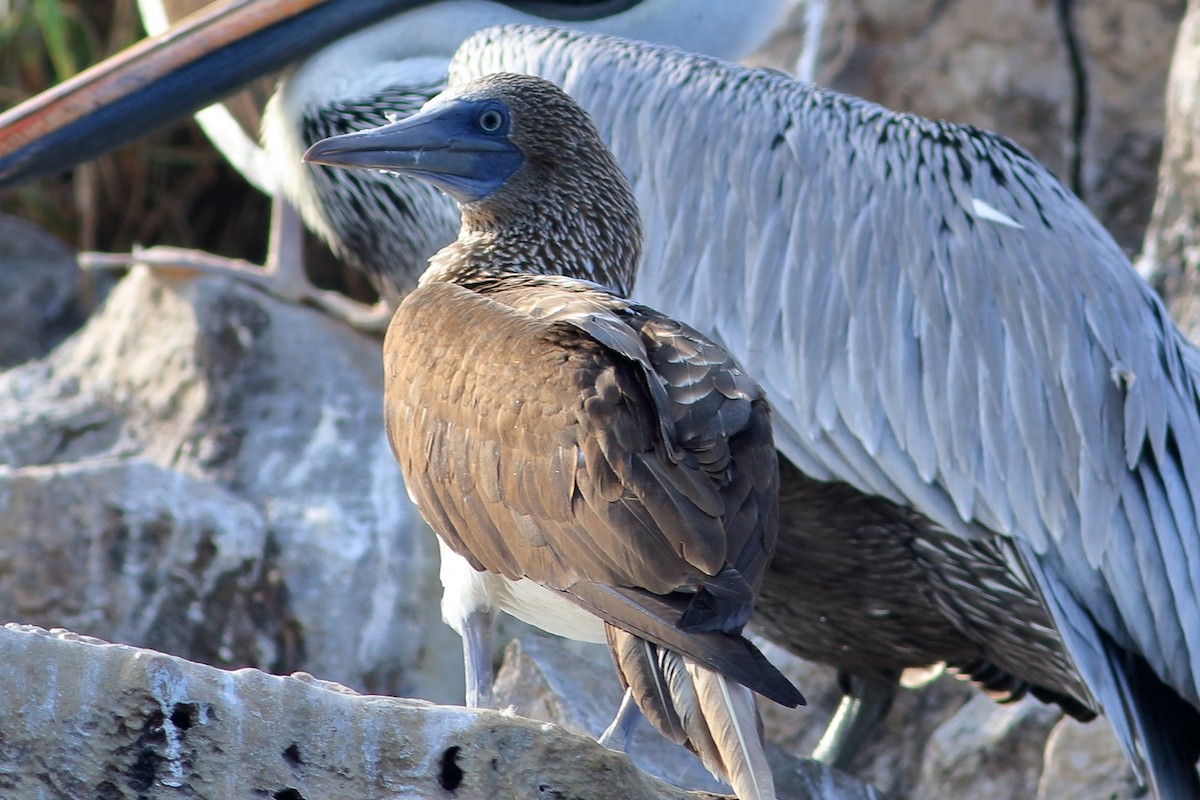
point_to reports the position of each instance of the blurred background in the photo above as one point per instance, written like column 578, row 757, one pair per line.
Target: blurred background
column 171, row 187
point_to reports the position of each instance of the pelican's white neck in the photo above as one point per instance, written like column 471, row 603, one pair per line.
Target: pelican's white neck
column 717, row 27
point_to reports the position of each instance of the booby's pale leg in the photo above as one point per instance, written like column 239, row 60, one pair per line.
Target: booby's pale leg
column 282, row 275
column 865, row 703
column 477, row 657
column 619, row 732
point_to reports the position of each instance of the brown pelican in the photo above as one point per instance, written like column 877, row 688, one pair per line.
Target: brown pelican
column 360, row 77
column 990, row 422
column 554, row 433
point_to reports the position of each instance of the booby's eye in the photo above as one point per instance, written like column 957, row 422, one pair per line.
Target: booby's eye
column 491, row 120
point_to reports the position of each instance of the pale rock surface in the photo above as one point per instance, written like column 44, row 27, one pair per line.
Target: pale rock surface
column 1171, row 256
column 265, row 414
column 82, row 719
column 1084, row 762
column 988, row 750
column 43, row 296
column 575, row 686
column 145, row 554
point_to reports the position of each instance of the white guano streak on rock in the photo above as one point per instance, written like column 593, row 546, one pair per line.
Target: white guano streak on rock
column 169, row 687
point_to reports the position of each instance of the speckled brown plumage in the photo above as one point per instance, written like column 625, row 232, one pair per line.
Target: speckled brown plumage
column 524, row 229
column 873, row 588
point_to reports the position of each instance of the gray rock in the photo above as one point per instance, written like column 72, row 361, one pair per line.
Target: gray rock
column 228, row 391
column 43, row 295
column 988, row 750
column 1171, row 256
column 1083, row 761
column 154, row 557
column 82, row 718
column 577, row 688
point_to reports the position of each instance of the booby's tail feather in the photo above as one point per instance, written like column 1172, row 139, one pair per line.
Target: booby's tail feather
column 637, row 664
column 713, row 716
column 655, row 618
column 726, row 711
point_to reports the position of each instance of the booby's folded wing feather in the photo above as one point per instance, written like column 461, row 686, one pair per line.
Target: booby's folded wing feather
column 711, row 415
column 556, row 469
column 648, row 616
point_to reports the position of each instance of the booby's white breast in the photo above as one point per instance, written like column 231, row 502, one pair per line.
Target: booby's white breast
column 465, row 589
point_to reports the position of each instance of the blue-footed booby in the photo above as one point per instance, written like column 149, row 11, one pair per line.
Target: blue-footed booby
column 556, row 434
column 364, row 62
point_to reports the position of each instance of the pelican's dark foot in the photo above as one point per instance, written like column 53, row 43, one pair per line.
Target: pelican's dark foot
column 282, row 276
column 865, row 703
column 477, row 657
column 619, row 732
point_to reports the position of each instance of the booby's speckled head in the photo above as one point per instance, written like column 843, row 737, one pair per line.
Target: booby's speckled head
column 528, row 169
column 471, row 139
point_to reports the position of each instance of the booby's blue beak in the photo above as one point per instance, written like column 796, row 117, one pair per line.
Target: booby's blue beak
column 460, row 146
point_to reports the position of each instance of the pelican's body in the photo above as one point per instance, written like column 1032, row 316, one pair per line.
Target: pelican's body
column 379, row 226
column 941, row 326
column 554, row 433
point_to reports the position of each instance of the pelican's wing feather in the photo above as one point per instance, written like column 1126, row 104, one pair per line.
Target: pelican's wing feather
column 935, row 318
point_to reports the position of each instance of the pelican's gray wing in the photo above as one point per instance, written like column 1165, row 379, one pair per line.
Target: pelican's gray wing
column 935, row 318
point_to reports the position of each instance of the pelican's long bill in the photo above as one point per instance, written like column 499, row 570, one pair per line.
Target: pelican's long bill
column 198, row 62
column 205, row 58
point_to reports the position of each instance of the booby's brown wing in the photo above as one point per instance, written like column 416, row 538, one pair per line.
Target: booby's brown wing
column 712, row 417
column 537, row 451
column 549, row 450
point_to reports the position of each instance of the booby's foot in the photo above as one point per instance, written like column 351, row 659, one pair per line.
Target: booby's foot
column 865, row 703
column 619, row 733
column 477, row 629
column 278, row 283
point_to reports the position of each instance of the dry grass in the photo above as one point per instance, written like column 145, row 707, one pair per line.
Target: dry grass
column 169, row 188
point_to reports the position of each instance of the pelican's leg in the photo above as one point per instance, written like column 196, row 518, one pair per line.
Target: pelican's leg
column 477, row 657
column 282, row 275
column 620, row 731
column 865, row 703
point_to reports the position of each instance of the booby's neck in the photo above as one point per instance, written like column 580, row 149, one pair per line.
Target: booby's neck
column 591, row 234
